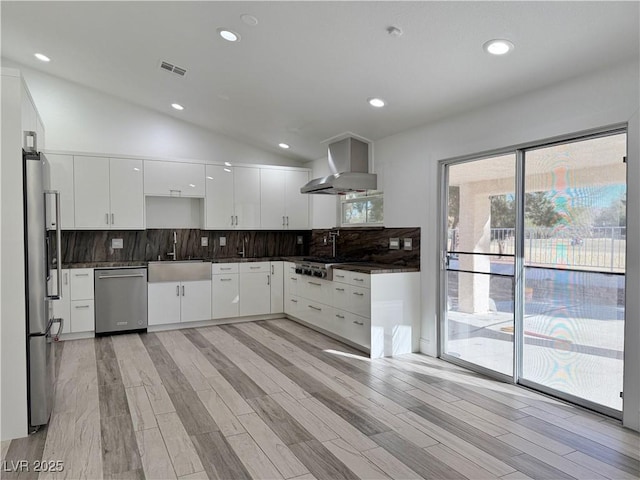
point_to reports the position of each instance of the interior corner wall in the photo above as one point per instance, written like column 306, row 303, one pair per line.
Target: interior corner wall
column 592, row 101
column 80, row 119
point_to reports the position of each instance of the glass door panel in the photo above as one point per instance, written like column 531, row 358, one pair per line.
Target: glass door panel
column 479, row 257
column 574, row 257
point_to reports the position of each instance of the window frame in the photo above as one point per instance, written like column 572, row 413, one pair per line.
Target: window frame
column 363, row 197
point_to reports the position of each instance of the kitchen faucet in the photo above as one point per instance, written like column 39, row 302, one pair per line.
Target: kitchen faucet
column 242, row 252
column 172, row 253
column 332, row 239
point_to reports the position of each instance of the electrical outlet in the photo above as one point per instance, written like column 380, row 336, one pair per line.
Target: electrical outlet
column 394, row 244
column 408, row 244
column 204, row 241
column 117, row 243
column 299, row 240
column 223, row 241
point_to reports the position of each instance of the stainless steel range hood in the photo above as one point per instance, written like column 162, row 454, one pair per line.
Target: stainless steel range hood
column 349, row 166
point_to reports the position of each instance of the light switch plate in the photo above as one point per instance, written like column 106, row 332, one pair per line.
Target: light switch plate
column 117, row 243
column 394, row 244
column 204, row 241
column 223, row 241
column 299, row 240
column 408, row 244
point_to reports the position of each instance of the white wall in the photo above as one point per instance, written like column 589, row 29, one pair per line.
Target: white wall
column 408, row 164
column 80, row 119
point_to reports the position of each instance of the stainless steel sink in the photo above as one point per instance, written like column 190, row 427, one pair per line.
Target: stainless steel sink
column 179, row 271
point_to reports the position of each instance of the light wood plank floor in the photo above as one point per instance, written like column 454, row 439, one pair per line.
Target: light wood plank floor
column 275, row 400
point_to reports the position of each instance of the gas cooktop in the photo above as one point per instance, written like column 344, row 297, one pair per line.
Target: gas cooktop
column 320, row 267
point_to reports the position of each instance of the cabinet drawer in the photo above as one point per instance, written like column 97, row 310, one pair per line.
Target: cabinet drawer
column 316, row 313
column 359, row 301
column 82, row 316
column 292, row 281
column 255, row 267
column 341, row 295
column 352, row 278
column 315, row 289
column 81, row 283
column 292, row 305
column 356, row 328
column 289, row 267
column 220, row 268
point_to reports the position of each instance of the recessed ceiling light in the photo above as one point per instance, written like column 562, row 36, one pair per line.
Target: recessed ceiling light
column 283, row 145
column 42, row 57
column 136, row 169
column 498, row 46
column 228, row 35
column 227, row 170
column 177, row 106
column 228, row 164
column 192, row 185
column 376, row 102
column 249, row 19
column 209, row 178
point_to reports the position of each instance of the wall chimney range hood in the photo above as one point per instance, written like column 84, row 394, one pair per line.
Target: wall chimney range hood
column 349, row 166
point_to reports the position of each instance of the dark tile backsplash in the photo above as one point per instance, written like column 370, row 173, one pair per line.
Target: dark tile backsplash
column 145, row 245
column 362, row 244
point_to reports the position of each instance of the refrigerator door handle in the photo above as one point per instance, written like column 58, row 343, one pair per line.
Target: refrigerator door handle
column 60, row 320
column 58, row 294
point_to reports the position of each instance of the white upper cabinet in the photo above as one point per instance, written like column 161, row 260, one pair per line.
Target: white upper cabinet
column 126, row 193
column 296, row 204
column 61, row 179
column 219, row 204
column 282, row 204
column 174, row 179
column 246, row 184
column 91, row 188
column 107, row 193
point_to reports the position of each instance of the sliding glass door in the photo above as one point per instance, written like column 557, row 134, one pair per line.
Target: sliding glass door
column 533, row 267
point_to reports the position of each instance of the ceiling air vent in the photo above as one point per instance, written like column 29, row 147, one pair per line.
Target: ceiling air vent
column 172, row 68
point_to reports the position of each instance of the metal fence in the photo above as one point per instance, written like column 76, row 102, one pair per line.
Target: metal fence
column 597, row 248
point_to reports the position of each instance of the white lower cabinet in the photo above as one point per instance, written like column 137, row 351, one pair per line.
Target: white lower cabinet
column 76, row 306
column 225, row 295
column 176, row 302
column 277, row 287
column 255, row 288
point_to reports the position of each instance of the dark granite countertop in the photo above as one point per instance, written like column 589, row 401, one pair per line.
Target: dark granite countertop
column 373, row 268
column 105, row 264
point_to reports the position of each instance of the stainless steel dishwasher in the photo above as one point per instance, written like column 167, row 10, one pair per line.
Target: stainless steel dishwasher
column 120, row 299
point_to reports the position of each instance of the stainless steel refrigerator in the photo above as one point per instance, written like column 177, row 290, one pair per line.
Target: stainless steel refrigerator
column 42, row 260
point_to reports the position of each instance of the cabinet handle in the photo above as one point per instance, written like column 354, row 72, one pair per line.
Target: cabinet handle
column 315, row 284
column 225, row 268
column 272, row 270
column 339, row 316
column 225, row 279
column 106, row 218
column 315, row 308
column 340, row 289
column 294, row 279
column 359, row 294
column 177, row 290
column 287, row 220
column 268, row 279
column 294, row 301
column 183, row 290
column 283, row 221
column 339, row 276
column 358, row 323
column 113, row 219
column 66, row 278
column 80, row 274
column 82, row 306
column 236, row 220
column 358, row 279
column 254, row 268
column 231, row 219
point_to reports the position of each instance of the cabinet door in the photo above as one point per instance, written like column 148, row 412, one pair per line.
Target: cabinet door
column 82, row 316
column 296, row 203
column 246, row 191
column 61, row 179
column 196, row 300
column 219, row 198
column 225, row 296
column 81, row 283
column 272, row 216
column 255, row 294
column 277, row 287
column 175, row 179
column 62, row 307
column 91, row 189
column 126, row 193
column 163, row 303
